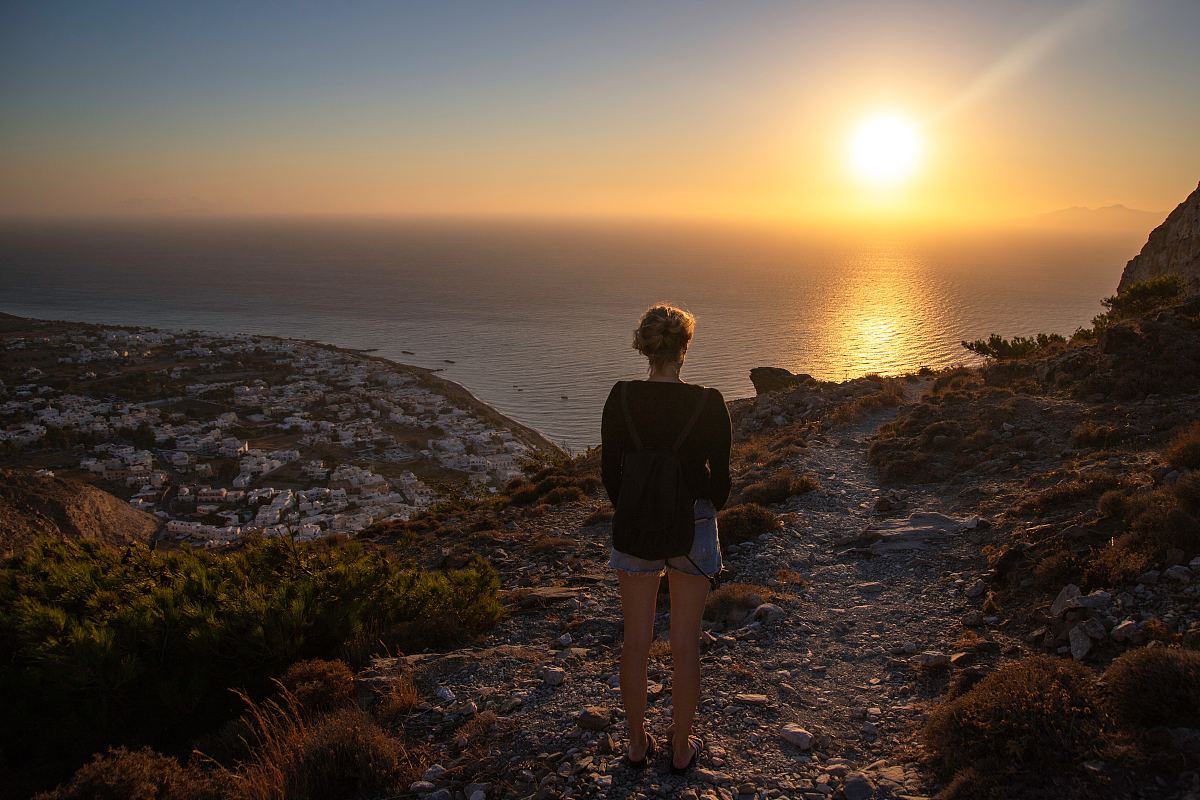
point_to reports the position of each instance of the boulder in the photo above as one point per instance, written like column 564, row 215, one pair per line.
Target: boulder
column 772, row 379
column 1065, row 600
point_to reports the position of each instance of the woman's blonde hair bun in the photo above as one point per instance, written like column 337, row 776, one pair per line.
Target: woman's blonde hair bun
column 664, row 333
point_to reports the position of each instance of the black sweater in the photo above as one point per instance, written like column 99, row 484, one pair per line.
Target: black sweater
column 660, row 409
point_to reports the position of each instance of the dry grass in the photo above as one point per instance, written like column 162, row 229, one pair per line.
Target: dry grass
column 1039, row 711
column 121, row 774
column 1155, row 686
column 320, row 685
column 394, row 704
column 1076, row 491
column 743, row 522
column 889, row 395
column 732, row 601
column 1184, row 450
column 297, row 757
column 778, row 488
column 552, row 544
column 598, row 517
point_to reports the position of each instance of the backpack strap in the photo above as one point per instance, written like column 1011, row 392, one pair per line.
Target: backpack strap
column 637, row 440
column 691, row 422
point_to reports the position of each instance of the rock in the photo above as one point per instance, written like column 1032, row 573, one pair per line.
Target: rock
column 768, row 613
column 565, row 639
column 445, row 695
column 1149, row 577
column 1172, row 248
column 1065, row 600
column 797, row 736
column 554, row 676
column 593, row 718
column 1124, row 631
column 1094, row 628
column 480, row 789
column 1178, row 573
column 1081, row 643
column 972, row 619
column 931, row 659
column 440, row 794
column 752, row 699
column 915, row 532
column 477, row 795
column 858, row 787
column 976, row 589
column 1095, row 601
column 434, row 773
column 421, row 787
column 772, row 379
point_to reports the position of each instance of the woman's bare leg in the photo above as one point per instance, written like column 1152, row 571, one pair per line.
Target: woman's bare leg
column 688, row 593
column 639, row 593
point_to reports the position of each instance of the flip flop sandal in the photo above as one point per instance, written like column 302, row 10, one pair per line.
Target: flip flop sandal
column 651, row 749
column 692, row 762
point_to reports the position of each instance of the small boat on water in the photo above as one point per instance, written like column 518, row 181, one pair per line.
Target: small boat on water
column 562, row 397
column 448, row 361
column 408, row 352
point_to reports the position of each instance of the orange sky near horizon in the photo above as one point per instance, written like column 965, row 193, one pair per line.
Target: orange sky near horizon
column 701, row 113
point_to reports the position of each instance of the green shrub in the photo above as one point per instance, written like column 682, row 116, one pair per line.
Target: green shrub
column 999, row 348
column 741, row 523
column 1038, row 711
column 1155, row 686
column 1140, row 298
column 106, row 645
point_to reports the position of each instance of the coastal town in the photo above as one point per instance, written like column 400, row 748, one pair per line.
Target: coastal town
column 223, row 436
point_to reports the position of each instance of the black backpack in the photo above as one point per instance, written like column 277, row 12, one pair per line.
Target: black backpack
column 654, row 514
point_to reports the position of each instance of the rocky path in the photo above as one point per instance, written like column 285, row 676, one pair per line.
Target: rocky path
column 816, row 692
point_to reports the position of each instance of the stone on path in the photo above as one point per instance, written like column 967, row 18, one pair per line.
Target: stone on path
column 752, row 699
column 931, row 658
column 914, row 532
column 593, row 718
column 554, row 676
column 795, row 735
column 858, row 787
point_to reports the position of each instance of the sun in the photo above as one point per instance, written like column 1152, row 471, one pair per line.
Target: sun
column 885, row 149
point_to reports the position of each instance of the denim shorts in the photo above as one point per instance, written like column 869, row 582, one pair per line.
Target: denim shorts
column 706, row 550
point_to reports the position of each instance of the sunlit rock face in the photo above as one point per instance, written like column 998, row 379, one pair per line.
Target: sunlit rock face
column 1173, row 248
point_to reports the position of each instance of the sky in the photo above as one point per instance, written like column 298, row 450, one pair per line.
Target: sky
column 730, row 110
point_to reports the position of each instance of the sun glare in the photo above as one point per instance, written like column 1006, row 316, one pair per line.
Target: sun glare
column 885, row 149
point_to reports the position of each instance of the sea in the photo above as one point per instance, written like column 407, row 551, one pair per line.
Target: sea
column 536, row 319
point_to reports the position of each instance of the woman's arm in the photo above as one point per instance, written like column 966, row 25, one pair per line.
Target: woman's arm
column 612, row 424
column 721, row 440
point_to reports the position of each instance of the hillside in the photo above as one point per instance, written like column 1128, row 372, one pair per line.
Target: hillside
column 1173, row 248
column 974, row 584
column 31, row 505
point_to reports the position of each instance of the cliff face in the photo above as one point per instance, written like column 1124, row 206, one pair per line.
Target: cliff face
column 1173, row 247
column 31, row 505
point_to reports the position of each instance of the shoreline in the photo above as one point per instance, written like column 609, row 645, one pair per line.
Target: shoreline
column 455, row 390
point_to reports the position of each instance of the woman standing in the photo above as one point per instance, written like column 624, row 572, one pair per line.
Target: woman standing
column 656, row 413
